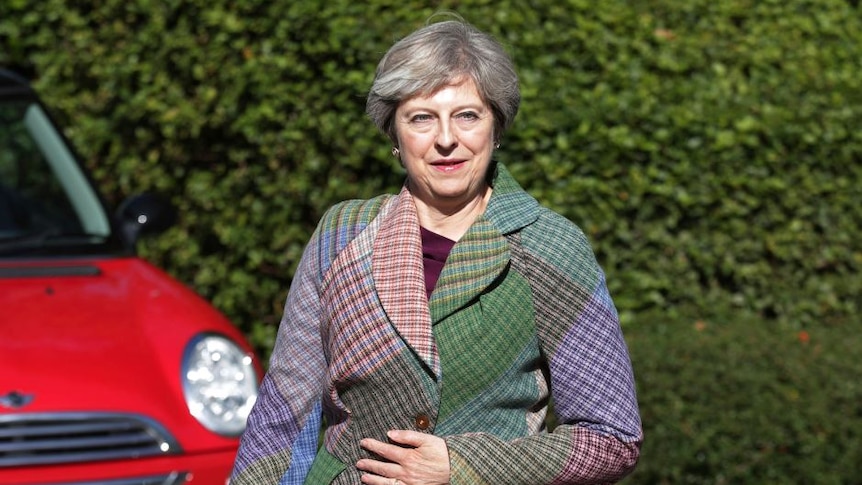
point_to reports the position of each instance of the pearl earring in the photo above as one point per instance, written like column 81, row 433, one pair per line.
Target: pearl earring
column 395, row 152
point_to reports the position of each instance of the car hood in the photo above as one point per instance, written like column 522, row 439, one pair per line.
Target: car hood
column 98, row 335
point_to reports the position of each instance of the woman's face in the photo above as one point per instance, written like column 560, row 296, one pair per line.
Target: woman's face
column 446, row 141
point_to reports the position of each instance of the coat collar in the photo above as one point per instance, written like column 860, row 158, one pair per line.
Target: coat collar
column 482, row 254
column 510, row 208
column 475, row 262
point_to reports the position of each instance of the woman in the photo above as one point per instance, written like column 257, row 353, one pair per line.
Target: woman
column 429, row 330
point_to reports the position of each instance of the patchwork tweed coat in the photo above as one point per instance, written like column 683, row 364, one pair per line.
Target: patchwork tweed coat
column 520, row 314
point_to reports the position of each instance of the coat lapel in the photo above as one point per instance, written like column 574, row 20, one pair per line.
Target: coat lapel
column 399, row 279
column 475, row 262
column 482, row 255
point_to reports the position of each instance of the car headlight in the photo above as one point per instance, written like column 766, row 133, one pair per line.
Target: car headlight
column 219, row 383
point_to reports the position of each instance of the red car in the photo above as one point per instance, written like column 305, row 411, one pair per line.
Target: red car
column 111, row 372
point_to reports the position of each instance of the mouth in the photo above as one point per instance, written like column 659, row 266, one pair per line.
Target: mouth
column 448, row 165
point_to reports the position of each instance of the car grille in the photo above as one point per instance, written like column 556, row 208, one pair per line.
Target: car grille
column 168, row 479
column 43, row 439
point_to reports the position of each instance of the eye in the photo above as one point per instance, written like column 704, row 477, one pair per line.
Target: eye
column 420, row 118
column 468, row 116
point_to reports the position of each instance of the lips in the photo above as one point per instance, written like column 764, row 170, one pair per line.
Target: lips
column 447, row 164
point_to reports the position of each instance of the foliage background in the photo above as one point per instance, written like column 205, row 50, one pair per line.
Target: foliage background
column 710, row 149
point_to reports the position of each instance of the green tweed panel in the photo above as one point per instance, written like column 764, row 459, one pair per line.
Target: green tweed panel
column 476, row 260
column 325, row 468
column 510, row 208
column 483, row 342
column 578, row 269
column 560, row 237
column 500, row 409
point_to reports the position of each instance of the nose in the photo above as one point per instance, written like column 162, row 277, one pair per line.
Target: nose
column 446, row 137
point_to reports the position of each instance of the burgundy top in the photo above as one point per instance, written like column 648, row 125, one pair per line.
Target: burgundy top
column 435, row 250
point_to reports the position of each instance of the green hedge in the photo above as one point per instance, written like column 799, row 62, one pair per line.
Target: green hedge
column 710, row 149
column 728, row 400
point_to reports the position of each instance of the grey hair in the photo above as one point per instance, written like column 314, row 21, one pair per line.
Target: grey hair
column 436, row 56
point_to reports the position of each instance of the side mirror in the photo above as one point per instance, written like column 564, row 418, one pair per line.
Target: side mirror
column 145, row 214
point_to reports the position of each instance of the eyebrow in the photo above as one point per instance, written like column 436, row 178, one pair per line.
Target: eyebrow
column 474, row 106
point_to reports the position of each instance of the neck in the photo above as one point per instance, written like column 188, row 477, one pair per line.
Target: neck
column 453, row 220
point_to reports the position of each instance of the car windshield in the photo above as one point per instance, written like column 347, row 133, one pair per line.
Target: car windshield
column 47, row 204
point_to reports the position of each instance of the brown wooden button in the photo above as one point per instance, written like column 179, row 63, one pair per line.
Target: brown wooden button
column 422, row 422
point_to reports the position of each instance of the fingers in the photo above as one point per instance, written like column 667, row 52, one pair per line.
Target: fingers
column 388, row 451
column 371, row 479
column 411, row 456
column 374, row 480
column 376, row 472
column 408, row 437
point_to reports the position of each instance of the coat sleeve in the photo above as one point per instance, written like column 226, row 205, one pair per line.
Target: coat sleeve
column 281, row 438
column 599, row 433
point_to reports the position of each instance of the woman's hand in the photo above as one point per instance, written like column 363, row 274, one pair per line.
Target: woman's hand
column 415, row 459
